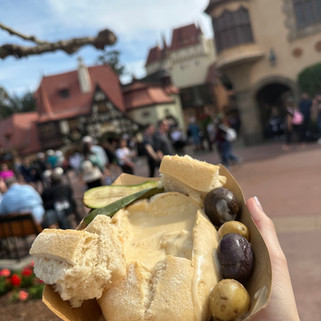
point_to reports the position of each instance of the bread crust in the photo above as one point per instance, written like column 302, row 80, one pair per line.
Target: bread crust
column 190, row 176
column 61, row 245
column 79, row 264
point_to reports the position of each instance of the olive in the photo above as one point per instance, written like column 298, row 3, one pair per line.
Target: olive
column 221, row 206
column 235, row 256
column 234, row 227
column 229, row 301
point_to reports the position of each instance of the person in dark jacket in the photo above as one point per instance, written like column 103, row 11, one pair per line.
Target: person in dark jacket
column 58, row 201
column 163, row 144
column 153, row 160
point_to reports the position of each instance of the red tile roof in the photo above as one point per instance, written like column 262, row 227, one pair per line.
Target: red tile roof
column 52, row 106
column 19, row 132
column 181, row 37
column 154, row 54
column 185, row 36
column 140, row 94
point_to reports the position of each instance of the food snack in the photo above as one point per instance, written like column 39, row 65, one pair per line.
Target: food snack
column 229, row 300
column 79, row 263
column 175, row 243
column 234, row 227
column 190, row 176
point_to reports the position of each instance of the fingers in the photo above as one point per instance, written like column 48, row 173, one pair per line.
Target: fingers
column 266, row 228
column 282, row 305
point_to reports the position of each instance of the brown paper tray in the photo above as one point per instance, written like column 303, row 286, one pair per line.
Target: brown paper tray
column 259, row 285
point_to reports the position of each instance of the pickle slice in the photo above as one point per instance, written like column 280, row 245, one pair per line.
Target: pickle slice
column 114, row 207
column 101, row 196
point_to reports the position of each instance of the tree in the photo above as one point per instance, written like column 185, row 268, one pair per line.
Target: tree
column 70, row 46
column 5, row 110
column 111, row 58
column 10, row 105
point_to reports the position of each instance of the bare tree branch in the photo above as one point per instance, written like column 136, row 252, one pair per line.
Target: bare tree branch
column 22, row 36
column 70, row 46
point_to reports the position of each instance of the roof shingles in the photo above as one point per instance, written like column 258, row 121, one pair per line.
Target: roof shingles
column 59, row 96
column 143, row 94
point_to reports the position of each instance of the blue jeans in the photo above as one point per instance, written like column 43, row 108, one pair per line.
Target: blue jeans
column 52, row 216
column 225, row 149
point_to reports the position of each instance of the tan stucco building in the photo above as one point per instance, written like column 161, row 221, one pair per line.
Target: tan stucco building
column 262, row 46
column 188, row 59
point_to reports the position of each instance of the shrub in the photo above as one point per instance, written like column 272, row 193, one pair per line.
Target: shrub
column 309, row 79
column 20, row 285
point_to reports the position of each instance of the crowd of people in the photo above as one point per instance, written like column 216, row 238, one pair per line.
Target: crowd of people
column 100, row 163
column 300, row 124
column 169, row 139
column 41, row 184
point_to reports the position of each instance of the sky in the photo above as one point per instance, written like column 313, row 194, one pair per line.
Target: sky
column 138, row 25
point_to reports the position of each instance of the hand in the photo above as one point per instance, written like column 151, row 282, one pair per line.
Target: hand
column 282, row 306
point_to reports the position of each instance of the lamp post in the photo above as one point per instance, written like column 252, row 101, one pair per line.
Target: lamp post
column 272, row 58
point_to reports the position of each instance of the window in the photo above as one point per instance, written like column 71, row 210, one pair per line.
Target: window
column 232, row 28
column 307, row 12
column 145, row 114
column 64, row 93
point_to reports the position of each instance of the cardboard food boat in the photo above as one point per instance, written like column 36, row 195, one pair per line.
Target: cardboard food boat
column 258, row 286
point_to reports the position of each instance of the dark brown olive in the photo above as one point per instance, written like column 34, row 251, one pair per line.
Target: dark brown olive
column 235, row 256
column 221, row 206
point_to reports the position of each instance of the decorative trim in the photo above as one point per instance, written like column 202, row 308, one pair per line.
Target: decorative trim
column 297, row 52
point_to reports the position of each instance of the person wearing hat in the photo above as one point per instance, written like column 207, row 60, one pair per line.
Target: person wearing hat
column 58, row 201
column 100, row 153
column 90, row 168
column 91, row 174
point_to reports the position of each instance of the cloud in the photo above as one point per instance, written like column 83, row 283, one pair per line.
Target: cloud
column 138, row 24
column 130, row 18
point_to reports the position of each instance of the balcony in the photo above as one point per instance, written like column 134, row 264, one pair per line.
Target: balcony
column 238, row 55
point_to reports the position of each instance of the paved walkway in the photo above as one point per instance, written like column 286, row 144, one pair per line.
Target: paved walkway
column 288, row 186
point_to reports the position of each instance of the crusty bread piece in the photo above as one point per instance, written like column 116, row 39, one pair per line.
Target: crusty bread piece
column 163, row 294
column 111, row 250
column 189, row 176
column 80, row 264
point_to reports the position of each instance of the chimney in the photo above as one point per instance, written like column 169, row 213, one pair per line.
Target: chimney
column 83, row 77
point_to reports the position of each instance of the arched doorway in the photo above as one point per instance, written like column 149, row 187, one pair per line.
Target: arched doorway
column 270, row 100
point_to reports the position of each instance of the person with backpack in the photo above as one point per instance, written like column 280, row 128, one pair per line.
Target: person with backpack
column 224, row 136
column 293, row 125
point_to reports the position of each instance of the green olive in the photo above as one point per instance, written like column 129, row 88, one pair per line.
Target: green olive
column 229, row 301
column 234, row 227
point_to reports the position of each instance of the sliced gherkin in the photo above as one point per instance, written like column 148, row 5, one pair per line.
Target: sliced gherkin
column 114, row 207
column 102, row 196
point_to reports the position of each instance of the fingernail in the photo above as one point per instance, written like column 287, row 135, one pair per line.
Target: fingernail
column 258, row 203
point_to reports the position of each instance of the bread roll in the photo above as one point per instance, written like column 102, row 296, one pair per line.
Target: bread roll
column 190, row 176
column 80, row 264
